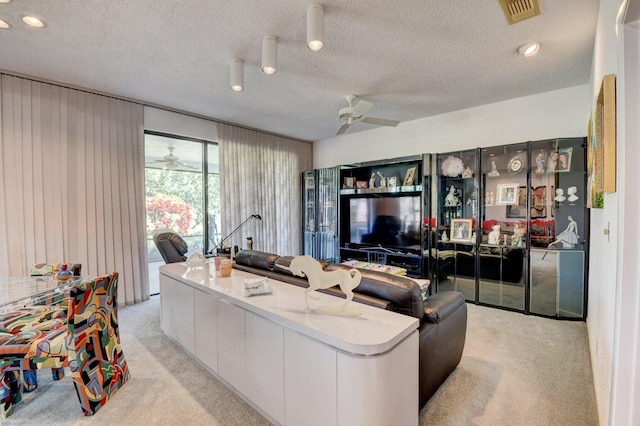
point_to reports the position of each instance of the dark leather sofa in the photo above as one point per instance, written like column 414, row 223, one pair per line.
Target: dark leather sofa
column 443, row 316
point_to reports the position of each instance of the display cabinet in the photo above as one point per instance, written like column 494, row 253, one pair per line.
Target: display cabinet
column 512, row 226
column 456, row 202
column 320, row 213
column 381, row 210
column 559, row 228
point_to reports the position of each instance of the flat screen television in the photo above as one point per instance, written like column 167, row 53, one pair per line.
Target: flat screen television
column 392, row 222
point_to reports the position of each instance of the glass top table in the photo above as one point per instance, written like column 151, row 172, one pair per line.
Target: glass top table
column 18, row 292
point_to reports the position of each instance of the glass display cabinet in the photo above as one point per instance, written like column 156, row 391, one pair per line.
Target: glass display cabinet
column 457, row 203
column 559, row 228
column 320, row 213
column 512, row 226
column 503, row 226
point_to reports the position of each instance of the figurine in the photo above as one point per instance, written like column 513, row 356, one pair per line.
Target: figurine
column 383, row 180
column 444, row 236
column 571, row 191
column 494, row 170
column 540, row 162
column 560, row 195
column 473, row 237
column 518, row 235
column 372, row 180
column 494, row 235
column 568, row 237
column 451, row 200
column 467, row 173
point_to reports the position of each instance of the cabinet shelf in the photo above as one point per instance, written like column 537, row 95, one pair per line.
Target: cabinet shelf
column 397, row 189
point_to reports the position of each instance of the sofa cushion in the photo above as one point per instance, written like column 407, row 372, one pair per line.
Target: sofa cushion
column 439, row 306
column 256, row 259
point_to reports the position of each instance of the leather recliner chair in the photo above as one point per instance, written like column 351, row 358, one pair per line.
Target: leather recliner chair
column 171, row 246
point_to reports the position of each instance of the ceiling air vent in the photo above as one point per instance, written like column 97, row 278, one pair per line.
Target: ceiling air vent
column 519, row 10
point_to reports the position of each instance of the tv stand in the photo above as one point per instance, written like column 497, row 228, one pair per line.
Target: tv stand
column 385, row 256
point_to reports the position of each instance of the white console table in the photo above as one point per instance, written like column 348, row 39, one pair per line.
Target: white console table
column 294, row 365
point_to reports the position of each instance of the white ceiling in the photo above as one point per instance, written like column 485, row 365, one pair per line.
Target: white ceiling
column 411, row 58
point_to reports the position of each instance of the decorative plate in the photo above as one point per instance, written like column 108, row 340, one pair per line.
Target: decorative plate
column 452, row 166
column 515, row 165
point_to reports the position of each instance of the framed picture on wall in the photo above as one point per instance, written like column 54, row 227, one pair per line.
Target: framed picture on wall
column 519, row 209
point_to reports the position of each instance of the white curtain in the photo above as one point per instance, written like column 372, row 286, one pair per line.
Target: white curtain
column 260, row 174
column 72, row 183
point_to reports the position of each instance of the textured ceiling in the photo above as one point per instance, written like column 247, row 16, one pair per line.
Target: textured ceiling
column 410, row 58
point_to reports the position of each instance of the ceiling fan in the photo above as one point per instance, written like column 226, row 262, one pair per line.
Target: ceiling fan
column 354, row 113
column 172, row 161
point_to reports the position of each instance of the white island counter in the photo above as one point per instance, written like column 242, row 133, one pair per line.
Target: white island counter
column 294, row 365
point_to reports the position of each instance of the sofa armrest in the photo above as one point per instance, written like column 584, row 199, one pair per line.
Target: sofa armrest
column 256, row 259
column 439, row 306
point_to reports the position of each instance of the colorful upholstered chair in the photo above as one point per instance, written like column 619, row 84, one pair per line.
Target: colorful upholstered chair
column 89, row 343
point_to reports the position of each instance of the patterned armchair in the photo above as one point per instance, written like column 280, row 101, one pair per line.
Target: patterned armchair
column 89, row 344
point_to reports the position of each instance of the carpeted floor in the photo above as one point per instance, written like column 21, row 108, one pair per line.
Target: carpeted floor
column 516, row 370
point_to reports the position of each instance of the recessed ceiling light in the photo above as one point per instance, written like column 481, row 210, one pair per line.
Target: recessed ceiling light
column 5, row 1
column 3, row 24
column 32, row 21
column 529, row 49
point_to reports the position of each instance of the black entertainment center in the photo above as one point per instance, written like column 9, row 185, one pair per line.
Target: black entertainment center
column 381, row 211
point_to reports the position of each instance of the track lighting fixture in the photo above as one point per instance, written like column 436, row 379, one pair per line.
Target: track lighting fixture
column 269, row 55
column 315, row 27
column 236, row 77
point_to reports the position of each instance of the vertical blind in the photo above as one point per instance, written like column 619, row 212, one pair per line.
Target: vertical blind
column 72, row 183
column 260, row 174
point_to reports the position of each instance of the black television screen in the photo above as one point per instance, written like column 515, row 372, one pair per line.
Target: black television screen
column 385, row 221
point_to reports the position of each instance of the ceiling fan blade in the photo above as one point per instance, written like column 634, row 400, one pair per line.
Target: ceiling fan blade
column 361, row 107
column 191, row 166
column 380, row 121
column 343, row 129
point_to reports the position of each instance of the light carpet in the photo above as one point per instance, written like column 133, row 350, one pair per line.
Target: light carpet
column 516, row 370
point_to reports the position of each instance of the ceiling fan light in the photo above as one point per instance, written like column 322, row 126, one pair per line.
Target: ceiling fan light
column 236, row 76
column 529, row 49
column 315, row 27
column 269, row 55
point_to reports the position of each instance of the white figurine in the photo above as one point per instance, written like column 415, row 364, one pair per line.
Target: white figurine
column 372, row 180
column 494, row 235
column 473, row 237
column 444, row 236
column 540, row 162
column 517, row 239
column 383, row 180
column 451, row 200
column 318, row 279
column 560, row 195
column 571, row 191
column 568, row 237
column 467, row 173
column 494, row 170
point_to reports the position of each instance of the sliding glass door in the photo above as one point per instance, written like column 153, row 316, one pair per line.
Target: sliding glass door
column 182, row 190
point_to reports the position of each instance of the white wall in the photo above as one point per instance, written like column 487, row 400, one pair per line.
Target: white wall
column 173, row 123
column 561, row 113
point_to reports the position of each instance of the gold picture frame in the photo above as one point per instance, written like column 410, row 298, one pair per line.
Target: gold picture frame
column 461, row 230
column 410, row 176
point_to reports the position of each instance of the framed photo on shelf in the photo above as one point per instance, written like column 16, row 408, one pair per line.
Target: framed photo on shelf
column 410, row 176
column 461, row 230
column 349, row 182
column 507, row 194
column 519, row 210
column 310, row 183
column 560, row 160
column 392, row 182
